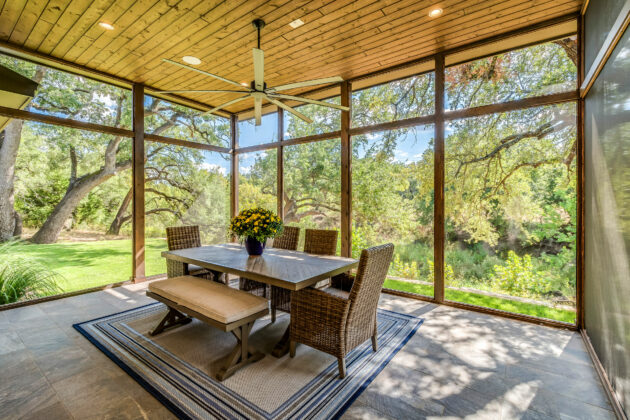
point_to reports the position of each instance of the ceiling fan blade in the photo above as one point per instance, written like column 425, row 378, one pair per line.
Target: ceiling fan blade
column 202, row 72
column 310, row 101
column 306, row 83
column 258, row 109
column 259, row 69
column 228, row 103
column 202, row 91
column 291, row 110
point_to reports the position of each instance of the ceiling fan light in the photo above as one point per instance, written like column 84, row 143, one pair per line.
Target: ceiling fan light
column 435, row 12
column 189, row 59
column 296, row 23
column 106, row 25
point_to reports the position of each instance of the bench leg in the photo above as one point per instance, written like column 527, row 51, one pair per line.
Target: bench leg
column 241, row 355
column 171, row 319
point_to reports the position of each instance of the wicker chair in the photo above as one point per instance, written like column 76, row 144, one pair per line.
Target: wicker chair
column 182, row 237
column 335, row 321
column 316, row 241
column 288, row 240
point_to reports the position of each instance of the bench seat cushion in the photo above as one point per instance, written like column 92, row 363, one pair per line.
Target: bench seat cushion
column 214, row 300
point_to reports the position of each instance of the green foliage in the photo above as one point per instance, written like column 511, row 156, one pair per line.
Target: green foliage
column 23, row 278
column 519, row 278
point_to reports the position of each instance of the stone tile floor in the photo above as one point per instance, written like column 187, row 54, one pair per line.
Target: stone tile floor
column 460, row 364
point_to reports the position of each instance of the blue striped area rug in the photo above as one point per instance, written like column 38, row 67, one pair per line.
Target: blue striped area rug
column 178, row 366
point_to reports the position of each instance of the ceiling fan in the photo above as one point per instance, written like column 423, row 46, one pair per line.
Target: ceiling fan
column 258, row 88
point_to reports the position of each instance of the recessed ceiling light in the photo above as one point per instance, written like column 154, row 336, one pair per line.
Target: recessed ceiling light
column 191, row 60
column 106, row 25
column 245, row 84
column 435, row 12
column 296, row 23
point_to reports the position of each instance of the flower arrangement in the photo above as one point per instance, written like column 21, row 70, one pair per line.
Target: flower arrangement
column 257, row 223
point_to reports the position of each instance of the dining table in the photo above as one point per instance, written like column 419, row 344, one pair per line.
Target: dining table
column 291, row 270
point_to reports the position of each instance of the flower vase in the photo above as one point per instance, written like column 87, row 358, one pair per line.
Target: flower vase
column 253, row 246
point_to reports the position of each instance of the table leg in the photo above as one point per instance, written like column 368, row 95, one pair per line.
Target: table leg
column 282, row 347
column 219, row 277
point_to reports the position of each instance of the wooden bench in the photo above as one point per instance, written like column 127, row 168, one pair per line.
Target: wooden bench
column 216, row 304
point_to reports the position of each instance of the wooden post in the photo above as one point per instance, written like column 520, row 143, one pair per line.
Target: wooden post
column 346, row 173
column 579, row 281
column 234, row 169
column 137, row 174
column 438, row 183
column 280, row 165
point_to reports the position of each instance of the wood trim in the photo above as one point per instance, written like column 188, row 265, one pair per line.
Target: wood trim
column 23, row 303
column 234, row 169
column 346, row 172
column 185, row 143
column 280, row 166
column 603, row 377
column 555, row 98
column 580, row 256
column 616, row 32
column 512, row 315
column 65, row 122
column 392, row 125
column 584, row 7
column 484, row 310
column 290, row 142
column 99, row 76
column 438, row 183
column 137, row 176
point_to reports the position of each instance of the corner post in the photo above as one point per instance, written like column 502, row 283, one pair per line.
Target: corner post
column 346, row 172
column 580, row 257
column 137, row 174
column 280, row 165
column 438, row 186
column 234, row 169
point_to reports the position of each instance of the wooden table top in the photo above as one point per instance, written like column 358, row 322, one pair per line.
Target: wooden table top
column 291, row 270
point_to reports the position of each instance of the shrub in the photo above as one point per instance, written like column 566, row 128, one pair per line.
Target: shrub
column 518, row 277
column 23, row 278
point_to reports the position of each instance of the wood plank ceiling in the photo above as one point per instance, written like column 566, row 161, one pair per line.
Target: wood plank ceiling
column 342, row 37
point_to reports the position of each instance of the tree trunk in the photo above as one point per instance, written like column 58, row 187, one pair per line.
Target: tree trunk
column 9, row 146
column 49, row 232
column 114, row 228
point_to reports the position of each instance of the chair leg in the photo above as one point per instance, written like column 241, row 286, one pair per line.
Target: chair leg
column 341, row 362
column 374, row 343
column 292, row 346
column 273, row 313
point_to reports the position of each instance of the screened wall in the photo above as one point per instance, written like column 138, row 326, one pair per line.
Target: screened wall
column 607, row 207
column 488, row 146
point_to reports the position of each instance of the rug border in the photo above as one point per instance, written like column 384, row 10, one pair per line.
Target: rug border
column 181, row 415
column 128, row 370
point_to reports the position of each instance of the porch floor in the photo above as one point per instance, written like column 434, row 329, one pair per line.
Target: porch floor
column 460, row 364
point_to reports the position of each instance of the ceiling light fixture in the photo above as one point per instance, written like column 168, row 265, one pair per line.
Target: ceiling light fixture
column 189, row 59
column 106, row 25
column 245, row 84
column 296, row 23
column 435, row 12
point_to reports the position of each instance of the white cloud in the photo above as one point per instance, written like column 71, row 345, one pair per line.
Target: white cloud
column 213, row 167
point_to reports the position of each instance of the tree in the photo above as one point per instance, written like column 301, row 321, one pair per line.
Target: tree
column 10, row 137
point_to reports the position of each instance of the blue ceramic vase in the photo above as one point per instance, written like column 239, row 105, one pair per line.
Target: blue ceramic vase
column 254, row 246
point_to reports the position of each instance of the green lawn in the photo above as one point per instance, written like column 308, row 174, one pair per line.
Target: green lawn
column 486, row 301
column 82, row 265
